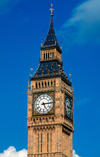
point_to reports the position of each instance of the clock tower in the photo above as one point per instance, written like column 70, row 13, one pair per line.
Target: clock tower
column 50, row 104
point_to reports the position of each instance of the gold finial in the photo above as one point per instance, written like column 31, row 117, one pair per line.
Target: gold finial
column 41, row 41
column 31, row 69
column 61, row 44
column 70, row 77
column 51, row 9
column 70, row 74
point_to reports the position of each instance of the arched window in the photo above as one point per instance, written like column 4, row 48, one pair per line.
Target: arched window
column 51, row 83
column 41, row 142
column 48, row 84
column 44, row 55
column 36, row 84
column 38, row 143
column 47, row 142
column 45, row 84
column 42, row 84
column 39, row 84
column 48, row 55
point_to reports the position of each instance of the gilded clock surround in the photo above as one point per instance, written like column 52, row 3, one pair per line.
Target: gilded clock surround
column 71, row 101
column 50, row 134
column 35, row 95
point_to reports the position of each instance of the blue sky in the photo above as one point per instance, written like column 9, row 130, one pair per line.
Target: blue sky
column 22, row 25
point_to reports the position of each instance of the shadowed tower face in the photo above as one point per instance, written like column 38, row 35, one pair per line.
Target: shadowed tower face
column 50, row 104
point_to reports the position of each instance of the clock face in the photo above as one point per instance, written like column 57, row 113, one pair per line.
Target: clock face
column 68, row 107
column 43, row 103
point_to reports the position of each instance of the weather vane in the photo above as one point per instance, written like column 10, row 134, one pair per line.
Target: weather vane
column 51, row 9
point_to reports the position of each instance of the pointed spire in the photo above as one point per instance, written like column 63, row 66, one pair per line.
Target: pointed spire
column 51, row 40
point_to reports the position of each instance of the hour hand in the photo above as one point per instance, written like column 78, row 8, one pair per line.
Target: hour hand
column 44, row 105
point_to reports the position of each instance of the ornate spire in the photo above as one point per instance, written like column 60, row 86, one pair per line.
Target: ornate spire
column 51, row 40
column 51, row 9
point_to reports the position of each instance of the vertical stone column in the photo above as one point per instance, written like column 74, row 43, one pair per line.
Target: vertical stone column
column 30, row 141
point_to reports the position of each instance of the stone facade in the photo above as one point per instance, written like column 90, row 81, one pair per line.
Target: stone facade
column 50, row 134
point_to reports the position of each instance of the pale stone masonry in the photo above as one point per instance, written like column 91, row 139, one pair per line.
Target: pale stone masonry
column 50, row 133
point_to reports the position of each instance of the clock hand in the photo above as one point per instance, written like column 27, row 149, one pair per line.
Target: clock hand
column 47, row 103
column 43, row 105
column 69, row 107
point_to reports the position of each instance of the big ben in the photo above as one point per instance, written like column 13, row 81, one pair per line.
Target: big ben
column 50, row 103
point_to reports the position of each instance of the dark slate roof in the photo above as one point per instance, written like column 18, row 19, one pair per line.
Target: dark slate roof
column 51, row 40
column 50, row 69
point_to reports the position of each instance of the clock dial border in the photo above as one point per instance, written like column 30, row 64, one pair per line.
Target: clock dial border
column 43, row 104
column 71, row 102
column 66, row 107
column 35, row 96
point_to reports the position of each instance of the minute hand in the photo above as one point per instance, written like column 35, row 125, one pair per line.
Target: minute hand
column 48, row 103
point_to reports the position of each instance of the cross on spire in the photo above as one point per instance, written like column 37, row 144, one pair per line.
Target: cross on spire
column 51, row 40
column 51, row 9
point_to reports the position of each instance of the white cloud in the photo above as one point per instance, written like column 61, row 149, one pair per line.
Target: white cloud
column 84, row 25
column 11, row 152
column 7, row 5
column 74, row 154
